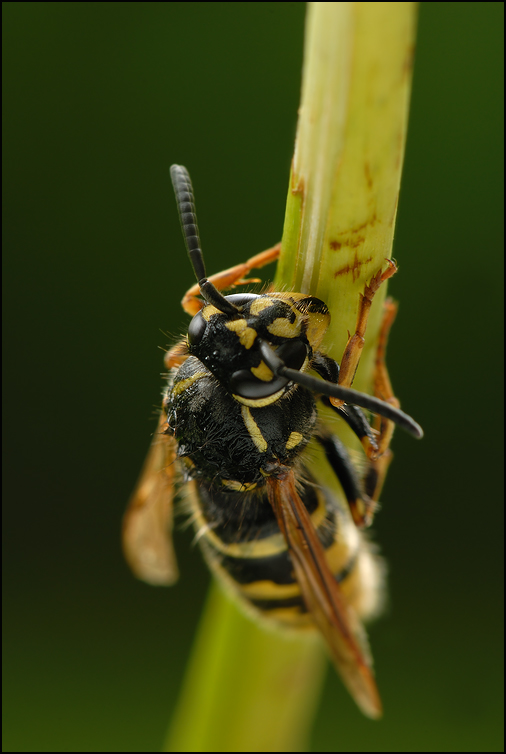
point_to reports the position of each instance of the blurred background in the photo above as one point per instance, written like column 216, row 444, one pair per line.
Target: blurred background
column 99, row 100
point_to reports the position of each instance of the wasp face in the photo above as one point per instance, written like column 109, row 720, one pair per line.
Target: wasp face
column 229, row 345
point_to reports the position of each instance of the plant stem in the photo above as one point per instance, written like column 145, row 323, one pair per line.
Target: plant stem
column 346, row 170
column 247, row 688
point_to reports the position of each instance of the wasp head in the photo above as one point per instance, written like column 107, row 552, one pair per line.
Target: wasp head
column 229, row 344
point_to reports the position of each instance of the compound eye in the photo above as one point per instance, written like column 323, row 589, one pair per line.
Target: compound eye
column 242, row 299
column 196, row 329
column 293, row 353
column 243, row 383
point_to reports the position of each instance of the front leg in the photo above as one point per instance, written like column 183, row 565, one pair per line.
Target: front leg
column 375, row 439
column 228, row 278
column 352, row 415
column 353, row 350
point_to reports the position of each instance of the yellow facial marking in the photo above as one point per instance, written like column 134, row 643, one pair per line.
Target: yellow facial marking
column 262, row 372
column 294, row 440
column 259, row 402
column 283, row 328
column 180, row 387
column 253, row 429
column 209, row 311
column 259, row 304
column 246, row 334
column 317, row 325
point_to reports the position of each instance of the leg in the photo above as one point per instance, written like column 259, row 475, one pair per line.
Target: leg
column 362, row 498
column 353, row 350
column 376, row 443
column 361, row 506
column 352, row 415
column 228, row 278
column 177, row 355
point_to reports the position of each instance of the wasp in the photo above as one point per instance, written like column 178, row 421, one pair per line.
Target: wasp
column 238, row 413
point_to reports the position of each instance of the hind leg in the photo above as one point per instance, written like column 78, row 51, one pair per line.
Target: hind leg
column 381, row 458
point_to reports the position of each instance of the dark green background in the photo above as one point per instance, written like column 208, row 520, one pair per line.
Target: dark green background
column 99, row 100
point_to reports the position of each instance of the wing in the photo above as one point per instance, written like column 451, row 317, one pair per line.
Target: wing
column 147, row 523
column 333, row 616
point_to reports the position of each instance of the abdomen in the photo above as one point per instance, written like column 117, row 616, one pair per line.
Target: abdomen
column 242, row 543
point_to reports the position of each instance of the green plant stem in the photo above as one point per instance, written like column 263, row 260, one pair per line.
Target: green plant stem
column 346, row 171
column 248, row 688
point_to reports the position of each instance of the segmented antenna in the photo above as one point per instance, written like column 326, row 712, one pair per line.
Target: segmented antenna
column 186, row 206
column 347, row 394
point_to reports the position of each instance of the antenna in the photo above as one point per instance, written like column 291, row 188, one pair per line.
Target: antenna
column 333, row 390
column 186, row 206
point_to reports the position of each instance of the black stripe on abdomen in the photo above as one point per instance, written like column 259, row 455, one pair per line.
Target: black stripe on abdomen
column 277, row 568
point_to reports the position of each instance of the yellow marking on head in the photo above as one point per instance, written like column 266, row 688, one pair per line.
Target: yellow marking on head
column 253, row 429
column 259, row 402
column 232, row 484
column 305, row 365
column 262, row 372
column 269, row 590
column 180, row 387
column 288, row 296
column 316, row 323
column 259, row 304
column 294, row 440
column 237, row 325
column 283, row 328
column 246, row 334
column 209, row 311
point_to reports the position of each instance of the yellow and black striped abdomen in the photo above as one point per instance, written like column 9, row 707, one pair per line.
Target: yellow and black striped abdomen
column 244, row 547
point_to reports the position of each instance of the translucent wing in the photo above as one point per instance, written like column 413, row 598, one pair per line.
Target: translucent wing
column 333, row 616
column 147, row 524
